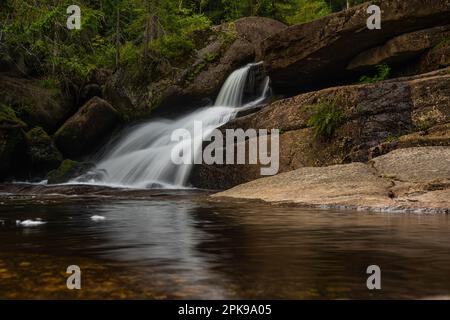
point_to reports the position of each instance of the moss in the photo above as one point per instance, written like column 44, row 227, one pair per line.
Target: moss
column 8, row 116
column 327, row 117
column 64, row 172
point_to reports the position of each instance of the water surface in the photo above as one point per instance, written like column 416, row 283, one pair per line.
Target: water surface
column 179, row 244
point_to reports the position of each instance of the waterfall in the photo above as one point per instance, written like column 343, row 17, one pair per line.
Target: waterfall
column 141, row 157
column 232, row 90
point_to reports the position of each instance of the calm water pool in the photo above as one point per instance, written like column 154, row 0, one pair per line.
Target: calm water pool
column 178, row 244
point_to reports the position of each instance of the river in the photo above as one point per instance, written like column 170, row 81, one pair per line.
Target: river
column 150, row 244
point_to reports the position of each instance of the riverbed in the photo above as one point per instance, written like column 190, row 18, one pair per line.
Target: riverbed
column 180, row 244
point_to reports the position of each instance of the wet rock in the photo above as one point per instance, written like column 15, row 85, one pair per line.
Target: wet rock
column 84, row 130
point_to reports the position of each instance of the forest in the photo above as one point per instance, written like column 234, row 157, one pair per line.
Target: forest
column 119, row 33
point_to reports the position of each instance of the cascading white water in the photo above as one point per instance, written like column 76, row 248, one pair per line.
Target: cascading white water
column 233, row 89
column 141, row 158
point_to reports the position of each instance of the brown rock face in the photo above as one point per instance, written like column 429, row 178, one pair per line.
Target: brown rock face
column 438, row 57
column 93, row 122
column 317, row 53
column 379, row 117
column 401, row 49
column 411, row 180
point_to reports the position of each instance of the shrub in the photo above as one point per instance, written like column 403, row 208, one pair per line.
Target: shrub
column 326, row 119
column 383, row 72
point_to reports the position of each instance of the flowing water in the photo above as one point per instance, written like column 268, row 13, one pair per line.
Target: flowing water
column 141, row 158
column 177, row 244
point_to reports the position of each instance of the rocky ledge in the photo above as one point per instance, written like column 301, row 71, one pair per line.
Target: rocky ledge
column 404, row 180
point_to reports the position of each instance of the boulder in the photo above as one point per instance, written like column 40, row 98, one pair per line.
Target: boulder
column 44, row 156
column 317, row 54
column 362, row 186
column 35, row 104
column 85, row 129
column 379, row 118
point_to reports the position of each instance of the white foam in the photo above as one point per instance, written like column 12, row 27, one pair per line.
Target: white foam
column 30, row 223
column 97, row 218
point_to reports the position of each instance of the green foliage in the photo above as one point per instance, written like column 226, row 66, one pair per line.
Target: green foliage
column 173, row 46
column 304, row 11
column 327, row 117
column 383, row 72
column 128, row 33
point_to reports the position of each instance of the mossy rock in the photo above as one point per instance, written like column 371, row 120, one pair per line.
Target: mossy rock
column 44, row 156
column 69, row 169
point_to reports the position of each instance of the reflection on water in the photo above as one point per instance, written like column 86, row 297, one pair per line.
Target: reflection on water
column 180, row 245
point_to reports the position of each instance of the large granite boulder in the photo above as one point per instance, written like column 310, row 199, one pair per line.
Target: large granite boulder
column 317, row 54
column 86, row 128
column 405, row 180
